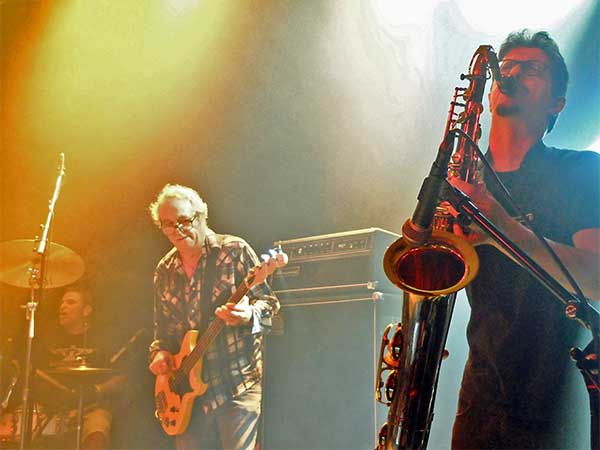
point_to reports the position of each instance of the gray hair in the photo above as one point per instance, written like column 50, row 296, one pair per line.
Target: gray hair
column 170, row 191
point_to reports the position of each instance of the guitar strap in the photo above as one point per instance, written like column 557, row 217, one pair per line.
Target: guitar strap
column 208, row 280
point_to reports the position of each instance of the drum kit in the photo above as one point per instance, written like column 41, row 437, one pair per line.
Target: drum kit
column 22, row 266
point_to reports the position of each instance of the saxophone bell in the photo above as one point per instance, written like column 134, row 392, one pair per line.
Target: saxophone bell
column 443, row 265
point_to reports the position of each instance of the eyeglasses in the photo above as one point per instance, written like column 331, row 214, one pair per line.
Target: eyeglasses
column 182, row 224
column 530, row 67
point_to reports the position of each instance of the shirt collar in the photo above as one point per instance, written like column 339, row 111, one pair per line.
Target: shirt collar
column 530, row 156
column 211, row 241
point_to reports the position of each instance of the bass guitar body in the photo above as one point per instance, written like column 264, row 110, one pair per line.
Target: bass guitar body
column 175, row 392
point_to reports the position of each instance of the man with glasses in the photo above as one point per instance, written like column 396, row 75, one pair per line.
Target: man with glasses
column 514, row 391
column 192, row 283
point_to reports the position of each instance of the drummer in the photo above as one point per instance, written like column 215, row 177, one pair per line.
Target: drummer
column 74, row 345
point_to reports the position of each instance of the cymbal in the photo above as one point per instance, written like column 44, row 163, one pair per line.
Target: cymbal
column 18, row 258
column 80, row 370
column 81, row 373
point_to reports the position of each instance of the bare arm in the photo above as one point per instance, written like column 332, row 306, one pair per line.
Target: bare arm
column 582, row 259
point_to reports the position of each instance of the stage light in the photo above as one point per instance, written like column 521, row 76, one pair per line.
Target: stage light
column 120, row 71
column 509, row 15
column 595, row 146
column 392, row 13
column 485, row 17
column 177, row 7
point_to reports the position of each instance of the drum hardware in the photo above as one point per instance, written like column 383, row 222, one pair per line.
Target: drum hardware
column 31, row 264
column 48, row 422
column 11, row 386
column 45, row 424
column 64, row 390
column 21, row 265
column 81, row 377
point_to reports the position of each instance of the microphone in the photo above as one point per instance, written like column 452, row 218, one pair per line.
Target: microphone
column 507, row 85
column 139, row 333
column 417, row 230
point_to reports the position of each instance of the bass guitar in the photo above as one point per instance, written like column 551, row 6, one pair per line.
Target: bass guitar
column 175, row 391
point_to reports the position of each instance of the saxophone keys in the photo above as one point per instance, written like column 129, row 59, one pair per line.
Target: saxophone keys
column 382, row 437
column 392, row 358
column 390, row 385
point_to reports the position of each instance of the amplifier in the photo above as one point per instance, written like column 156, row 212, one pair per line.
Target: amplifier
column 335, row 304
column 335, row 264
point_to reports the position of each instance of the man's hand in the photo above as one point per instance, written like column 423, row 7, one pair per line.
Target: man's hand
column 482, row 199
column 162, row 363
column 487, row 204
column 235, row 314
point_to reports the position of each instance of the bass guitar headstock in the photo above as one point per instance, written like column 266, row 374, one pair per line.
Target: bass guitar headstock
column 273, row 260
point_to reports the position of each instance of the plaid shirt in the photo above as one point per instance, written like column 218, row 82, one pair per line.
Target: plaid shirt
column 233, row 361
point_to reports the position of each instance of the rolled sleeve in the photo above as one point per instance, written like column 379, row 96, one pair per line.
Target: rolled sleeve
column 263, row 311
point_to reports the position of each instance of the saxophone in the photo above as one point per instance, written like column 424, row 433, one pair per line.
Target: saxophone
column 430, row 274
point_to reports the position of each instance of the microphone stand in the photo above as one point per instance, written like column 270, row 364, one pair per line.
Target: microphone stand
column 36, row 282
column 576, row 308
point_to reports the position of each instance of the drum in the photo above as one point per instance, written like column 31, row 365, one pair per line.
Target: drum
column 43, row 426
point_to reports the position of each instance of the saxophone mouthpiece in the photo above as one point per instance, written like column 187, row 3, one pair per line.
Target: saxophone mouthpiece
column 507, row 85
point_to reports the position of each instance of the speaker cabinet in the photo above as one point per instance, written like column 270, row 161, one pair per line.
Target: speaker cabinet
column 320, row 373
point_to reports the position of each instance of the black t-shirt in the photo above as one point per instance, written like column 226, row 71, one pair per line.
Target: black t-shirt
column 518, row 335
column 61, row 349
column 57, row 351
